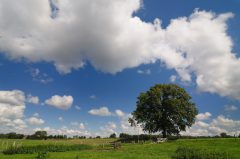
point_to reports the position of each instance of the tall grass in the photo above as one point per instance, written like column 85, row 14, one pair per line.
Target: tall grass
column 6, row 144
column 44, row 148
column 195, row 153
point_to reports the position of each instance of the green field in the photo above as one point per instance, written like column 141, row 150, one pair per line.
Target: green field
column 127, row 151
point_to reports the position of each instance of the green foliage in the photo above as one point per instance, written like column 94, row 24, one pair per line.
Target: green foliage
column 41, row 133
column 223, row 134
column 126, row 138
column 44, row 148
column 195, row 153
column 166, row 108
column 113, row 135
column 42, row 155
column 56, row 136
column 38, row 135
column 12, row 135
column 79, row 137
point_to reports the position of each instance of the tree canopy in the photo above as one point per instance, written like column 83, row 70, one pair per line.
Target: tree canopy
column 113, row 135
column 165, row 108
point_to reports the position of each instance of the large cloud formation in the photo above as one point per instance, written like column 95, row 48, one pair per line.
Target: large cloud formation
column 110, row 37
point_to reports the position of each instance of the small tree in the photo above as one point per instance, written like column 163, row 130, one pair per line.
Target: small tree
column 165, row 108
column 113, row 135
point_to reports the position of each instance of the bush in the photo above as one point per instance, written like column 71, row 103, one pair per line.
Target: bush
column 42, row 155
column 193, row 153
column 126, row 138
column 44, row 148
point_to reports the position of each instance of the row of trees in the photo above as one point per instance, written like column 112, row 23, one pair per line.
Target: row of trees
column 12, row 135
column 40, row 135
column 147, row 137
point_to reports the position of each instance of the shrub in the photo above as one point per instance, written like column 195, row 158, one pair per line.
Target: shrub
column 42, row 155
column 193, row 153
column 126, row 138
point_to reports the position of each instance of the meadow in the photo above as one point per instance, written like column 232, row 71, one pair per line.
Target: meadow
column 101, row 149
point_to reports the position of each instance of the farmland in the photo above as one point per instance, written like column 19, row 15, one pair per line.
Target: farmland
column 101, row 150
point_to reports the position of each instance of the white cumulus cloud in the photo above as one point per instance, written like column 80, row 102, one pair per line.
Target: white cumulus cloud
column 120, row 113
column 32, row 99
column 35, row 121
column 203, row 116
column 102, row 111
column 12, row 107
column 214, row 127
column 76, row 124
column 12, row 104
column 108, row 129
column 61, row 102
column 65, row 131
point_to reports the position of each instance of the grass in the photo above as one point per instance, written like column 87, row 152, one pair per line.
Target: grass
column 128, row 151
column 93, row 142
column 196, row 153
column 12, row 150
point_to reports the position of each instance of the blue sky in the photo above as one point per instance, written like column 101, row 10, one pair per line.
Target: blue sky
column 70, row 73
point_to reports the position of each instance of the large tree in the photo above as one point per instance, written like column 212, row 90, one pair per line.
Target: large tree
column 165, row 108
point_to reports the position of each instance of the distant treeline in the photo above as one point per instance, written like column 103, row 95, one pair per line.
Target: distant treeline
column 40, row 135
column 123, row 137
column 12, row 135
column 126, row 138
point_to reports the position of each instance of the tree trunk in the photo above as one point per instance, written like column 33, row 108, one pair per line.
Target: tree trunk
column 164, row 133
